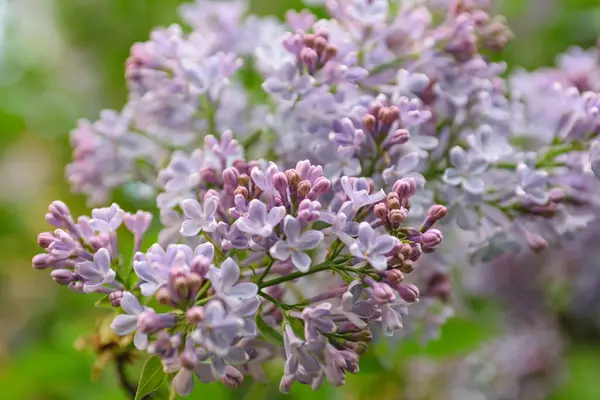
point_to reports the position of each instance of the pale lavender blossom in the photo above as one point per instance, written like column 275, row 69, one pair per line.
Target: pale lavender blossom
column 218, row 329
column 260, row 222
column 299, row 353
column 107, row 219
column 466, row 171
column 296, row 243
column 96, row 273
column 391, row 316
column 225, row 282
column 532, row 184
column 355, row 309
column 288, row 85
column 358, row 192
column 371, row 247
column 316, row 320
column 199, row 218
column 138, row 223
column 124, row 324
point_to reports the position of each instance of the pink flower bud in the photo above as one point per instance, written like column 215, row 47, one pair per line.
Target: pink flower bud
column 408, row 292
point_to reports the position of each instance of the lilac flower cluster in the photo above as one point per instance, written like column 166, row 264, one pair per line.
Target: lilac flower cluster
column 258, row 230
column 399, row 97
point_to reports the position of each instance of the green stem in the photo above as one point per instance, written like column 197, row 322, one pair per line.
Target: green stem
column 203, row 301
column 396, row 62
column 219, row 255
column 203, row 290
column 298, row 274
column 264, row 275
column 275, row 301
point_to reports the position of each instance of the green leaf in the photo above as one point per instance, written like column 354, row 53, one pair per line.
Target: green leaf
column 152, row 378
column 269, row 333
column 104, row 302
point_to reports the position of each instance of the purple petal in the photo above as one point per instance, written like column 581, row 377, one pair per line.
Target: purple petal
column 257, row 211
column 280, row 251
column 458, row 158
column 102, row 260
column 183, row 383
column 384, row 244
column 192, row 209
column 130, row 304
column 124, row 324
column 292, row 229
column 211, row 205
column 140, row 340
column 301, row 260
column 363, row 309
column 190, row 227
column 243, row 290
column 230, row 273
column 205, row 249
column 366, row 234
column 309, row 240
column 99, row 225
column 276, row 214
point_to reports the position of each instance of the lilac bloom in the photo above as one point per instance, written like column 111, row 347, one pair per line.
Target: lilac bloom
column 138, row 223
column 371, row 247
column 342, row 224
column 96, row 273
column 213, row 366
column 489, row 145
column 347, row 137
column 171, row 221
column 299, row 353
column 532, row 184
column 355, row 309
column 288, row 85
column 264, row 180
column 467, row 171
column 218, row 329
column 337, row 362
column 258, row 221
column 63, row 245
column 411, row 112
column 391, row 316
column 107, row 220
column 404, row 169
column 246, row 310
column 296, row 243
column 229, row 237
column 227, row 149
column 198, row 218
column 224, row 281
column 316, row 320
column 124, row 324
column 357, row 190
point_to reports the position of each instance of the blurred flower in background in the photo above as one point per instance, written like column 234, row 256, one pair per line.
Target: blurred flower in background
column 64, row 59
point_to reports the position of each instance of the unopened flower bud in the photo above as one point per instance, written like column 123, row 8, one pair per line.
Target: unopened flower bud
column 309, row 40
column 405, row 187
column 293, row 177
column 380, row 211
column 285, row 385
column 392, row 276
column 369, row 123
column 63, row 276
column 200, row 265
column 309, row 58
column 280, row 181
column 243, row 180
column 241, row 191
column 188, row 359
column 209, row 175
column 195, row 315
column 396, row 217
column 557, row 195
column 230, row 177
column 380, row 292
column 304, row 188
column 321, row 185
column 357, row 347
column 360, row 336
column 232, row 378
column 408, row 292
column 42, row 261
column 535, row 242
column 320, row 44
column 59, row 210
column 45, row 239
column 150, row 322
column 407, row 266
column 329, row 53
column 163, row 296
column 115, row 298
column 432, row 238
column 385, row 116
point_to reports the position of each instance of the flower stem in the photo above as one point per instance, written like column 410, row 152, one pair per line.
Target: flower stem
column 129, row 387
column 219, row 255
column 298, row 274
column 264, row 275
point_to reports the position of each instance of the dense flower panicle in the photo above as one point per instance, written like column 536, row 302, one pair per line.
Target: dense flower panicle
column 331, row 166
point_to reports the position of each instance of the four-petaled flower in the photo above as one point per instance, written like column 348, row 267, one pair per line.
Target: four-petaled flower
column 260, row 222
column 355, row 309
column 124, row 324
column 108, row 219
column 224, row 281
column 96, row 273
column 371, row 247
column 532, row 184
column 467, row 171
column 358, row 192
column 199, row 218
column 296, row 243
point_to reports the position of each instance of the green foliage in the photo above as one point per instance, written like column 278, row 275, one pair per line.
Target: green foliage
column 152, row 378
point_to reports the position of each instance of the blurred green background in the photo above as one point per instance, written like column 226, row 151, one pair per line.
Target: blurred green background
column 64, row 59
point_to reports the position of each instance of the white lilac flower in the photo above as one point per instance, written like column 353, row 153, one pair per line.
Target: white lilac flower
column 316, row 321
column 532, row 184
column 96, row 273
column 225, row 283
column 353, row 308
column 466, row 172
column 371, row 247
column 358, row 192
column 288, row 85
column 296, row 243
column 260, row 222
column 107, row 220
column 218, row 329
column 199, row 218
column 489, row 145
